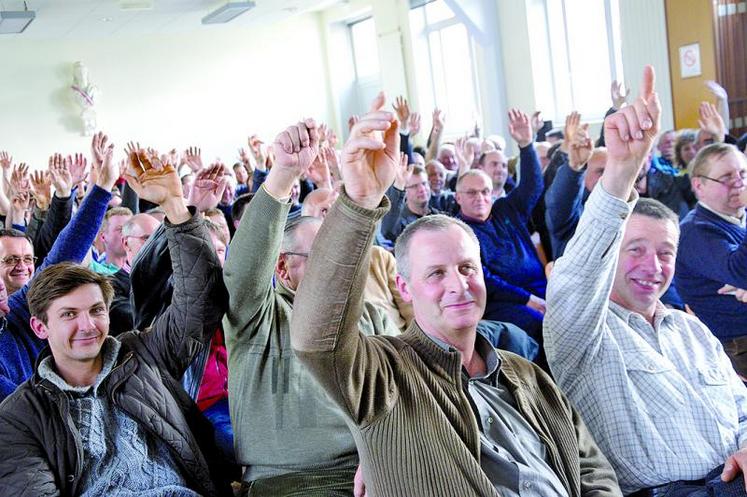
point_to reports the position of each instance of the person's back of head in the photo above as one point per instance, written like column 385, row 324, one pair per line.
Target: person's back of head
column 239, row 207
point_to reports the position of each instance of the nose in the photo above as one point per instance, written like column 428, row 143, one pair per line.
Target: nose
column 652, row 263
column 456, row 282
column 85, row 321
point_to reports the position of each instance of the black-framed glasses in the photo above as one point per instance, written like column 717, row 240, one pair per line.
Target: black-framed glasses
column 14, row 260
column 299, row 254
column 727, row 180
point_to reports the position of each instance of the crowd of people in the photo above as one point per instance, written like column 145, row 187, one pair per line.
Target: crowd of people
column 380, row 318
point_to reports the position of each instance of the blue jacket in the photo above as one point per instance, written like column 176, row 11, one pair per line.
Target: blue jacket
column 713, row 252
column 510, row 263
column 564, row 204
column 19, row 347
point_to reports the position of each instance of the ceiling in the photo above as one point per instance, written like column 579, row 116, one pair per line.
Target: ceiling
column 84, row 19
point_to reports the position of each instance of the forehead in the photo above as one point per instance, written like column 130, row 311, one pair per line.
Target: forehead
column 655, row 231
column 475, row 181
column 727, row 164
column 417, row 179
column 118, row 220
column 495, row 156
column 442, row 247
column 81, row 298
column 14, row 245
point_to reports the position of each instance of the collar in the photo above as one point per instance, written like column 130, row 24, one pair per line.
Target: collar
column 729, row 219
column 110, row 351
column 482, row 346
column 660, row 313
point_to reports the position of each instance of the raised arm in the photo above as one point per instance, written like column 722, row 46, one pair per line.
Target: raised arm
column 525, row 196
column 324, row 331
column 255, row 247
column 581, row 282
column 199, row 299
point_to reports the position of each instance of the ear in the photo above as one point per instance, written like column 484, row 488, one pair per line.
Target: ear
column 403, row 290
column 281, row 270
column 40, row 329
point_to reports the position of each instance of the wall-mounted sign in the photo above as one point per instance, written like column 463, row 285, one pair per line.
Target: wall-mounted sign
column 690, row 60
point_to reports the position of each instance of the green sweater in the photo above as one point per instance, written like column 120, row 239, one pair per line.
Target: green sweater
column 405, row 397
column 283, row 421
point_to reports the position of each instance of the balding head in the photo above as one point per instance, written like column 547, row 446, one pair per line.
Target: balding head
column 135, row 232
column 595, row 167
column 318, row 202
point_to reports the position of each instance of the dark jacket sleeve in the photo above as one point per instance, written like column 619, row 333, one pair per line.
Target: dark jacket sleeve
column 563, row 202
column 258, row 177
column 151, row 280
column 58, row 216
column 405, row 146
column 390, row 224
column 130, row 199
column 199, row 300
column 524, row 197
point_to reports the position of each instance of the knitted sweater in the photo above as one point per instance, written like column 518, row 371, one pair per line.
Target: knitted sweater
column 19, row 346
column 510, row 263
column 712, row 252
column 404, row 397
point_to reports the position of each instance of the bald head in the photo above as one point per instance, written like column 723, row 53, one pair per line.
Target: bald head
column 318, row 202
column 135, row 232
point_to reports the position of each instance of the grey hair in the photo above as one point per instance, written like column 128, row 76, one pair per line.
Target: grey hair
column 473, row 172
column 290, row 238
column 654, row 209
column 434, row 222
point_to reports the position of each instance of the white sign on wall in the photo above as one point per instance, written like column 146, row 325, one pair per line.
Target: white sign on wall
column 690, row 60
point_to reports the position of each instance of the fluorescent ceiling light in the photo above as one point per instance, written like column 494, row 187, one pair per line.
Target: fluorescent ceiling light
column 15, row 21
column 227, row 12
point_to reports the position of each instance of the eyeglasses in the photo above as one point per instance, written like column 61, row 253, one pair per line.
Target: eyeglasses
column 13, row 260
column 473, row 193
column 417, row 185
column 728, row 180
column 142, row 238
column 300, row 254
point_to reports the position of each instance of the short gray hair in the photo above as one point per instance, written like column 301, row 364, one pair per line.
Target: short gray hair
column 290, row 234
column 654, row 209
column 473, row 172
column 434, row 222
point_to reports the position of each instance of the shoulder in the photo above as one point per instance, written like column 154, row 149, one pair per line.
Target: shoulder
column 26, row 406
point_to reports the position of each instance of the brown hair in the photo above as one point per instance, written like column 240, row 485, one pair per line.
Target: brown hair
column 58, row 280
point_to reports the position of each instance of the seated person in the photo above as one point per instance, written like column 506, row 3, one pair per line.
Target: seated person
column 436, row 411
column 713, row 247
column 514, row 275
column 287, row 432
column 103, row 414
column 415, row 206
column 442, row 199
column 654, row 385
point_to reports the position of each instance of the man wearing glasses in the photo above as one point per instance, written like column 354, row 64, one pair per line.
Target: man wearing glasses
column 16, row 259
column 416, row 205
column 712, row 258
column 514, row 276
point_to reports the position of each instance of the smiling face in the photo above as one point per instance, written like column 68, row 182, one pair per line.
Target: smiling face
column 496, row 166
column 445, row 282
column 646, row 264
column 76, row 326
column 721, row 184
column 474, row 196
column 16, row 262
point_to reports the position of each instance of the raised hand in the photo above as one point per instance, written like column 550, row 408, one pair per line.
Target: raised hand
column 537, row 121
column 717, row 90
column 330, row 155
column 439, row 118
column 60, row 176
column 260, row 157
column 465, row 154
column 107, row 173
column 19, row 179
column 352, row 121
column 413, row 123
column 41, row 187
column 208, row 187
column 77, row 166
column 5, row 160
column 572, row 122
column 629, row 135
column 295, row 150
column 520, row 128
column 319, row 172
column 619, row 94
column 711, row 121
column 402, row 109
column 193, row 159
column 156, row 182
column 580, row 149
column 371, row 155
column 20, row 202
column 404, row 171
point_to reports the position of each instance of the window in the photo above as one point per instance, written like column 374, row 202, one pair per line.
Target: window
column 575, row 55
column 365, row 52
column 444, row 66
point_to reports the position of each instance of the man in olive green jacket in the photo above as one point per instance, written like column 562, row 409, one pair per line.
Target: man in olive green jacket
column 436, row 411
column 287, row 431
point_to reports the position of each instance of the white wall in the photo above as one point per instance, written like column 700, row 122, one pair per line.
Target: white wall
column 210, row 88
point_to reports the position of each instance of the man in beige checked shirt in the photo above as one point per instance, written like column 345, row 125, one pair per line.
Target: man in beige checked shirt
column 653, row 385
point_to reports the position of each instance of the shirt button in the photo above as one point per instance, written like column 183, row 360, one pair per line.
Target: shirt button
column 70, row 478
column 527, row 485
column 490, row 419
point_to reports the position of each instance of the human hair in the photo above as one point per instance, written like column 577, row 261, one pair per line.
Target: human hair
column 418, row 170
column 290, row 233
column 433, row 222
column 217, row 230
column 437, row 165
column 214, row 211
column 239, row 206
column 473, row 172
column 685, row 137
column 14, row 233
column 654, row 209
column 114, row 211
column 58, row 280
column 701, row 164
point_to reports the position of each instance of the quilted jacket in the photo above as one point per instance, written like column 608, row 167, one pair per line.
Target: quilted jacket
column 41, row 448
